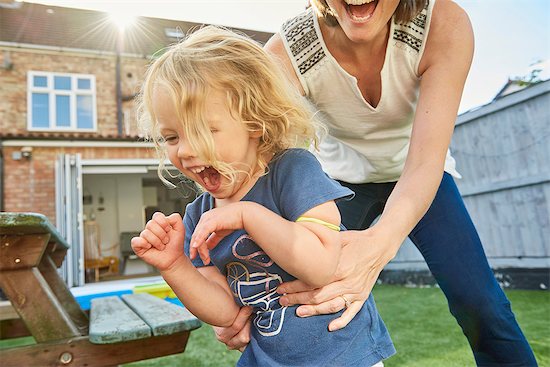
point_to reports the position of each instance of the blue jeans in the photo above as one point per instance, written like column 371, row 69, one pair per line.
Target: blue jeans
column 449, row 243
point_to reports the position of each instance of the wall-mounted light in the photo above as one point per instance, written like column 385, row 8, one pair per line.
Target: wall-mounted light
column 26, row 152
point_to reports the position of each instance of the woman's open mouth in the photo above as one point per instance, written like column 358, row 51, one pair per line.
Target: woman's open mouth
column 360, row 10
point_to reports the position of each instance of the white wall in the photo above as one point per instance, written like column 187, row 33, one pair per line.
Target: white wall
column 122, row 206
column 130, row 202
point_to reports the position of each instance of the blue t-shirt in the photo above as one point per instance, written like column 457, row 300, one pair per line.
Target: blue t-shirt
column 294, row 184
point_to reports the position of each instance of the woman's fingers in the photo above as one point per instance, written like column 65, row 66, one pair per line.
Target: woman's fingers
column 237, row 336
column 331, row 306
column 346, row 316
column 346, row 302
column 242, row 339
column 300, row 293
column 293, row 287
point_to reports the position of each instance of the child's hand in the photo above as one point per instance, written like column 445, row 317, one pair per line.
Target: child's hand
column 161, row 242
column 213, row 226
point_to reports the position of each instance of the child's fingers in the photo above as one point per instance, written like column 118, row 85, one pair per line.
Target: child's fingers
column 192, row 252
column 140, row 245
column 161, row 220
column 207, row 225
column 176, row 222
column 202, row 251
column 204, row 254
column 158, row 230
column 199, row 236
column 213, row 240
column 198, row 243
column 153, row 238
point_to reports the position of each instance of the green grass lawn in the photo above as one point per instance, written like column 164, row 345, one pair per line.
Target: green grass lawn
column 423, row 331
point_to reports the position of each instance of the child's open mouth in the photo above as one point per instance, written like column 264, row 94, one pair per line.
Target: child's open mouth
column 360, row 10
column 210, row 177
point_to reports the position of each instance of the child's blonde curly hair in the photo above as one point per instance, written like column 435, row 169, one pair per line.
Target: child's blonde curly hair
column 214, row 58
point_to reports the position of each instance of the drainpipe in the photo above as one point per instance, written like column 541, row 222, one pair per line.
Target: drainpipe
column 118, row 93
column 1, row 177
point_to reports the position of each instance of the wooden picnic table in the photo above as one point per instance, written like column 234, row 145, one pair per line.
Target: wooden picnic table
column 136, row 327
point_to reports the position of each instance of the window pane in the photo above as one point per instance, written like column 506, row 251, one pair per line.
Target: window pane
column 40, row 81
column 63, row 111
column 62, row 82
column 84, row 112
column 84, row 83
column 40, row 110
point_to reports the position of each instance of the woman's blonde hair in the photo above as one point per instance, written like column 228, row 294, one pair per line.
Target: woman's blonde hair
column 405, row 12
column 217, row 59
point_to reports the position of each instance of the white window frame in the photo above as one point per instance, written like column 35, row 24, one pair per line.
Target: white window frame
column 52, row 93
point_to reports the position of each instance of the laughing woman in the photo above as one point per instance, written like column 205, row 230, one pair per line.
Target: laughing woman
column 386, row 77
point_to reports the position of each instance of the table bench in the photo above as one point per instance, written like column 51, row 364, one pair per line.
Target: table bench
column 120, row 330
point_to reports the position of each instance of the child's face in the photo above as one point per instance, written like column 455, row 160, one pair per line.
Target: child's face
column 233, row 145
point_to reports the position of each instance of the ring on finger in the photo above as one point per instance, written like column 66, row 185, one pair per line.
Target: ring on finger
column 347, row 303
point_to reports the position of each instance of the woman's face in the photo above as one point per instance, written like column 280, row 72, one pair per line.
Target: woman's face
column 363, row 20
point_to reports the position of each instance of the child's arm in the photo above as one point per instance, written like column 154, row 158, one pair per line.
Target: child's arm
column 203, row 291
column 307, row 250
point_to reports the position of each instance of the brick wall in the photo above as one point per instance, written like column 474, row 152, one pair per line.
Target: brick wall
column 13, row 93
column 29, row 184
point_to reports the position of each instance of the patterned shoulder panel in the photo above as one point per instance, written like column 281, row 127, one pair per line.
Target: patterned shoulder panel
column 303, row 41
column 412, row 33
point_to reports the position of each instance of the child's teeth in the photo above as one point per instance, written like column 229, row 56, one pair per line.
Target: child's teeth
column 358, row 2
column 198, row 170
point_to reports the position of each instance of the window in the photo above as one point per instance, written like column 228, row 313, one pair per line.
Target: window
column 61, row 101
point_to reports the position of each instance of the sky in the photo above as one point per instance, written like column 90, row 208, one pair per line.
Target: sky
column 510, row 35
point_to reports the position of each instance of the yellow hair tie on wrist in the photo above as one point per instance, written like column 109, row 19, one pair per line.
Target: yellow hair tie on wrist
column 334, row 227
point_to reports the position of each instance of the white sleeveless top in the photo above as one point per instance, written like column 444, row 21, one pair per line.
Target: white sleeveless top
column 365, row 143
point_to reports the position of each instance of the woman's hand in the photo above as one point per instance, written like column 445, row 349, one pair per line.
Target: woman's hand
column 364, row 255
column 212, row 227
column 237, row 336
column 160, row 244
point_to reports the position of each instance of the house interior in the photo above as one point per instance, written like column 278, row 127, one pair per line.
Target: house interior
column 115, row 209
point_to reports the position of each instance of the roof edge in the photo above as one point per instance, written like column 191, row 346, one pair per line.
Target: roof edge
column 505, row 102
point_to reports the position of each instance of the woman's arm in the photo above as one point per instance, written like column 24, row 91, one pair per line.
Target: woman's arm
column 444, row 67
column 205, row 291
column 308, row 251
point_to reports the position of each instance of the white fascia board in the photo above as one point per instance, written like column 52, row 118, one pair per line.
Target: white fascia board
column 76, row 143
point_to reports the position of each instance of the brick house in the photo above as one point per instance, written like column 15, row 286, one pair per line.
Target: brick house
column 69, row 145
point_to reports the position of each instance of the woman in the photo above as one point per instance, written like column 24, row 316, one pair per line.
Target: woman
column 387, row 77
